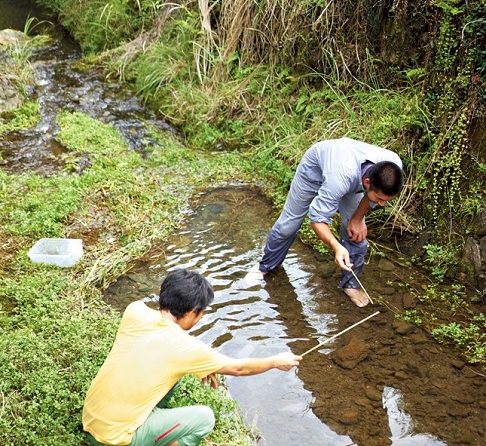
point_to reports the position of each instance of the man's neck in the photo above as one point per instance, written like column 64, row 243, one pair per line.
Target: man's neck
column 166, row 314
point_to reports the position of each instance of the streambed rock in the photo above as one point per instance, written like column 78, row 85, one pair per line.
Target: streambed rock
column 403, row 328
column 351, row 354
column 349, row 416
column 373, row 393
column 10, row 98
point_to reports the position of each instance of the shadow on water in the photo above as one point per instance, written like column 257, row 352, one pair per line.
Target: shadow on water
column 384, row 383
column 59, row 86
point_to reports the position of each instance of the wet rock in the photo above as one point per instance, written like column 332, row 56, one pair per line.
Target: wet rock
column 458, row 364
column 467, row 438
column 415, row 370
column 362, row 402
column 351, row 354
column 383, row 351
column 433, row 392
column 458, row 411
column 469, row 373
column 440, row 384
column 442, row 372
column 349, row 416
column 401, row 375
column 419, row 338
column 408, row 301
column 398, row 365
column 12, row 37
column 381, row 320
column 463, row 398
column 328, row 270
column 403, row 328
column 390, row 340
column 373, row 393
column 386, row 265
column 374, row 431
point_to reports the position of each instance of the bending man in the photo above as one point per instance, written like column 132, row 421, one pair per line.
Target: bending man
column 342, row 175
column 126, row 402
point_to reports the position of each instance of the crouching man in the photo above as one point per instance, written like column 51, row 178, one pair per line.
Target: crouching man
column 126, row 402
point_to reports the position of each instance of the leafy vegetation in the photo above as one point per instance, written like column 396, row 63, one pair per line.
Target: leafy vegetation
column 25, row 116
column 228, row 423
column 470, row 337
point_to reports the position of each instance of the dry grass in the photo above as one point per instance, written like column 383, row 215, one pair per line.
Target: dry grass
column 332, row 37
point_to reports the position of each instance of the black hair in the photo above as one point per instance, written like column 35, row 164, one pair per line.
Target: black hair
column 183, row 290
column 386, row 177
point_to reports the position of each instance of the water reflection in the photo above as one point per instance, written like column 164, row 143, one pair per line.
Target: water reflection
column 401, row 423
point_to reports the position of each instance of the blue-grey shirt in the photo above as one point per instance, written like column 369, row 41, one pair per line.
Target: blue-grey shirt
column 336, row 166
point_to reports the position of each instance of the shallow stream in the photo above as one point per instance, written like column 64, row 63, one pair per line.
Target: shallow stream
column 383, row 383
column 58, row 86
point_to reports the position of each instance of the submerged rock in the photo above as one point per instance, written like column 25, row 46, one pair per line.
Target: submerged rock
column 10, row 97
column 403, row 328
column 351, row 354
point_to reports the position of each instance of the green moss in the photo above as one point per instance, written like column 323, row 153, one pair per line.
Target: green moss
column 26, row 116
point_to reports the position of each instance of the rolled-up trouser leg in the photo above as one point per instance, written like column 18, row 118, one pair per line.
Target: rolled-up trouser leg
column 357, row 251
column 285, row 229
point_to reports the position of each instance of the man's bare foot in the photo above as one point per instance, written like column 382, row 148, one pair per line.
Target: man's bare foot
column 358, row 297
column 254, row 276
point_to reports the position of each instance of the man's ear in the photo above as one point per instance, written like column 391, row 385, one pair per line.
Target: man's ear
column 366, row 183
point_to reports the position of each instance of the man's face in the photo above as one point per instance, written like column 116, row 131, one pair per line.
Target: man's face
column 379, row 197
column 376, row 196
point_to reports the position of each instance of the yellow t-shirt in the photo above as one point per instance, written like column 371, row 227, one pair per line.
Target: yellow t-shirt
column 149, row 356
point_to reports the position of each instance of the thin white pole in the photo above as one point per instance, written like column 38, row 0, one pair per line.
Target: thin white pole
column 361, row 285
column 340, row 333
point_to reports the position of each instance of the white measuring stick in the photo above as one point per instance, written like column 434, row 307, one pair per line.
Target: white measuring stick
column 340, row 333
column 361, row 285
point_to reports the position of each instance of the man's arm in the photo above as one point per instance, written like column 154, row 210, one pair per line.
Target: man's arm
column 254, row 366
column 323, row 231
column 357, row 230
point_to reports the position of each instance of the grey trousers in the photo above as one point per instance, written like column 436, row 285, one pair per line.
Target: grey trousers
column 284, row 231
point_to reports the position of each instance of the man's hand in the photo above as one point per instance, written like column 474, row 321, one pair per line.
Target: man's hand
column 357, row 230
column 285, row 361
column 211, row 379
column 342, row 258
